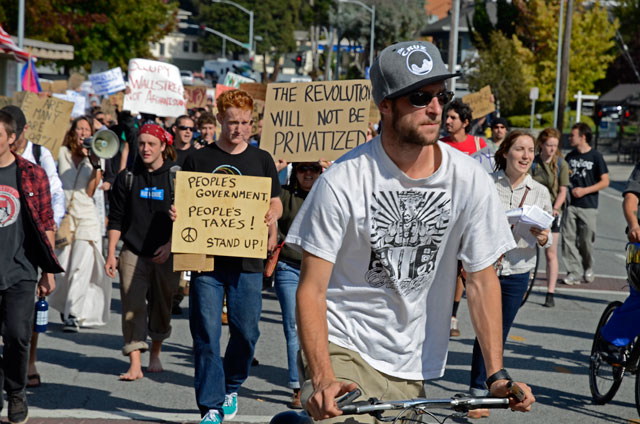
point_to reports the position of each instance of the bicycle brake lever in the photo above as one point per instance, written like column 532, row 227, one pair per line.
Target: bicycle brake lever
column 348, row 398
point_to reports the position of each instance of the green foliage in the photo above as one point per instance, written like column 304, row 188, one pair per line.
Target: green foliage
column 480, row 27
column 114, row 30
column 502, row 65
column 546, row 120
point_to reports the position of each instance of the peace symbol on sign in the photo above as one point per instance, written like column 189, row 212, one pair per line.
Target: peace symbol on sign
column 189, row 234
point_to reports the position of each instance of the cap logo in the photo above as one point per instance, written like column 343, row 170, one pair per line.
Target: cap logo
column 419, row 62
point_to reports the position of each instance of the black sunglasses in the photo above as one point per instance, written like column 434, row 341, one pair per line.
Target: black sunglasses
column 423, row 98
column 184, row 128
column 312, row 168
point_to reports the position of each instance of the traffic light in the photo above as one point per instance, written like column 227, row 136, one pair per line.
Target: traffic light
column 598, row 115
column 298, row 61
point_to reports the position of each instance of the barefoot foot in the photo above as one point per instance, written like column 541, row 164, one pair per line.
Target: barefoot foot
column 154, row 365
column 131, row 375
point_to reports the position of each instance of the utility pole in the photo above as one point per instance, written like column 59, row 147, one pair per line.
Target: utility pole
column 453, row 42
column 564, row 69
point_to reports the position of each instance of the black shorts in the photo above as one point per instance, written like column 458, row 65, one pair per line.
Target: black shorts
column 556, row 224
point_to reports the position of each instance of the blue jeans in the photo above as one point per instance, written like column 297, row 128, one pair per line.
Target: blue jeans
column 623, row 326
column 286, row 284
column 214, row 377
column 513, row 288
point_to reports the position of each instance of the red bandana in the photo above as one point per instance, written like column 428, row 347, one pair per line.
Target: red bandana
column 157, row 131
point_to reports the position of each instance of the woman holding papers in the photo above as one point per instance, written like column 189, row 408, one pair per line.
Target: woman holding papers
column 550, row 170
column 516, row 189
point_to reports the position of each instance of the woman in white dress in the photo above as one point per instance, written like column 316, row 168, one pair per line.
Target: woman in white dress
column 83, row 291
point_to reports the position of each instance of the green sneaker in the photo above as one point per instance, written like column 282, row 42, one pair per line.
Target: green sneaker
column 230, row 405
column 212, row 417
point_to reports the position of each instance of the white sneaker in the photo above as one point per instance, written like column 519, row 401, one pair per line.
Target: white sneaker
column 454, row 332
column 212, row 417
column 571, row 280
column 589, row 276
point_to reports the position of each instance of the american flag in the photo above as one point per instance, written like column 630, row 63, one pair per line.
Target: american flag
column 8, row 46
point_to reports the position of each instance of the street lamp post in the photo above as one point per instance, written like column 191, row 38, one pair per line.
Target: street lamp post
column 372, row 10
column 248, row 12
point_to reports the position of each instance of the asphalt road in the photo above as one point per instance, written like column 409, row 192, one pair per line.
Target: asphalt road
column 547, row 348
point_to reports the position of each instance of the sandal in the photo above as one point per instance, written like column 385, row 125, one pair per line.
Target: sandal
column 33, row 380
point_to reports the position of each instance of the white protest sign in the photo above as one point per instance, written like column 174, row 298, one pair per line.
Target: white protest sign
column 156, row 87
column 108, row 82
column 79, row 102
column 234, row 80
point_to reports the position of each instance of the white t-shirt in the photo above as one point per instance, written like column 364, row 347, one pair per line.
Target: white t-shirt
column 395, row 243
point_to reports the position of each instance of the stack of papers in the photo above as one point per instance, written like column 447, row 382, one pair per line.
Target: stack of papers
column 526, row 217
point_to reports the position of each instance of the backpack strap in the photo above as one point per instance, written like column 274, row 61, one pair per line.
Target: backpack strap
column 477, row 140
column 37, row 152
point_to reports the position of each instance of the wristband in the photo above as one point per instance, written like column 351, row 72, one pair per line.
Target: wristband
column 97, row 167
column 500, row 375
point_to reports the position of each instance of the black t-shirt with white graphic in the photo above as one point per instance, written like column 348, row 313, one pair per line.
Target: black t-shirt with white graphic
column 252, row 162
column 586, row 170
column 14, row 262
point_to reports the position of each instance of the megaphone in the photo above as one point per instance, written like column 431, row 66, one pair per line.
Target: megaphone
column 105, row 144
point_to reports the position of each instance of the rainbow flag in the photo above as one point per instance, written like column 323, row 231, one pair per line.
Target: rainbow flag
column 30, row 78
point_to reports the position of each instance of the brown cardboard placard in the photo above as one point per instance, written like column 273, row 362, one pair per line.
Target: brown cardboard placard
column 59, row 86
column 75, row 81
column 480, row 102
column 255, row 89
column 5, row 101
column 315, row 120
column 117, row 99
column 196, row 96
column 48, row 120
column 192, row 262
column 45, row 86
column 374, row 113
column 221, row 214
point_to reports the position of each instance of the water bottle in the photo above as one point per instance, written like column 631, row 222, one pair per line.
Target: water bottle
column 42, row 315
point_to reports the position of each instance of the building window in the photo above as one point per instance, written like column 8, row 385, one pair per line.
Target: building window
column 185, row 46
column 194, row 47
column 161, row 49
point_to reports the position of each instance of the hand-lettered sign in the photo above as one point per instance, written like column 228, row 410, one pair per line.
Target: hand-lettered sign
column 221, row 214
column 108, row 82
column 156, row 87
column 78, row 100
column 255, row 89
column 234, row 80
column 196, row 96
column 48, row 120
column 314, row 120
column 480, row 102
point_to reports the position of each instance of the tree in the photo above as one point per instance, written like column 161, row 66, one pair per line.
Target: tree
column 503, row 65
column 110, row 30
column 621, row 71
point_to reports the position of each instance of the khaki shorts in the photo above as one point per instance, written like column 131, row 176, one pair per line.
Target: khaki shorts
column 349, row 366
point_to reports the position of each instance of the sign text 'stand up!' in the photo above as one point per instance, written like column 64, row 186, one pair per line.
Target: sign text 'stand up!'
column 221, row 215
column 156, row 87
column 316, row 120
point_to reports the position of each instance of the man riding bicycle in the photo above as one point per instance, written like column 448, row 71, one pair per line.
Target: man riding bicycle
column 623, row 327
column 381, row 234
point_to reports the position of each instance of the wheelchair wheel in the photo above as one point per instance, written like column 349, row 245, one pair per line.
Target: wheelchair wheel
column 532, row 278
column 604, row 379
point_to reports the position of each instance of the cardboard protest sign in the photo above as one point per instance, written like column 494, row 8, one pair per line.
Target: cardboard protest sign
column 45, row 86
column 192, row 262
column 156, row 87
column 256, row 90
column 5, row 101
column 75, row 81
column 221, row 214
column 480, row 102
column 374, row 113
column 117, row 99
column 196, row 96
column 314, row 120
column 59, row 86
column 108, row 82
column 234, row 80
column 78, row 100
column 48, row 120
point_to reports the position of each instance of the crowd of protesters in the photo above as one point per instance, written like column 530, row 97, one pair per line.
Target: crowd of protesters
column 138, row 191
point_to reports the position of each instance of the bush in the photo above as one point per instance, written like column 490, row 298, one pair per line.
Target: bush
column 523, row 121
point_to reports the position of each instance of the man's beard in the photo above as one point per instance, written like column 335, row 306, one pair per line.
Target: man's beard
column 410, row 135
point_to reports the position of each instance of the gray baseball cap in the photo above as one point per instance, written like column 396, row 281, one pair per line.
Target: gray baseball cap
column 404, row 67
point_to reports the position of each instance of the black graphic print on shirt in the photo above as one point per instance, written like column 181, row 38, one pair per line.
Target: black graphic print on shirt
column 407, row 230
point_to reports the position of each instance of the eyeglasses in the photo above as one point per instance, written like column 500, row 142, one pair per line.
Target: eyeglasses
column 312, row 168
column 423, row 98
column 183, row 128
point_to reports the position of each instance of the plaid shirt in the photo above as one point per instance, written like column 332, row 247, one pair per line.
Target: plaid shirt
column 34, row 190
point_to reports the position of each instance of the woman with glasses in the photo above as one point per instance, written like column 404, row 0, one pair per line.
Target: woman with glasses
column 516, row 188
column 83, row 291
column 287, row 273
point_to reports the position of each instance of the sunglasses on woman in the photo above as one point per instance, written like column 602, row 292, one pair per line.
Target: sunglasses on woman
column 312, row 168
column 421, row 99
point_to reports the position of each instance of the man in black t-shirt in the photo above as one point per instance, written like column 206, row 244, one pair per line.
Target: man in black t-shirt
column 217, row 381
column 589, row 175
column 183, row 130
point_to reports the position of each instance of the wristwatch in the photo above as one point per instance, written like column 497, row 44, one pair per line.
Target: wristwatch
column 500, row 375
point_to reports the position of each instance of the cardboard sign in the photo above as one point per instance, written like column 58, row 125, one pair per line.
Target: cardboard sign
column 59, row 86
column 48, row 120
column 220, row 214
column 117, row 100
column 156, row 87
column 78, row 100
column 45, row 86
column 309, row 121
column 75, row 81
column 480, row 102
column 196, row 96
column 234, row 80
column 108, row 82
column 192, row 262
column 374, row 113
column 256, row 90
column 5, row 101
